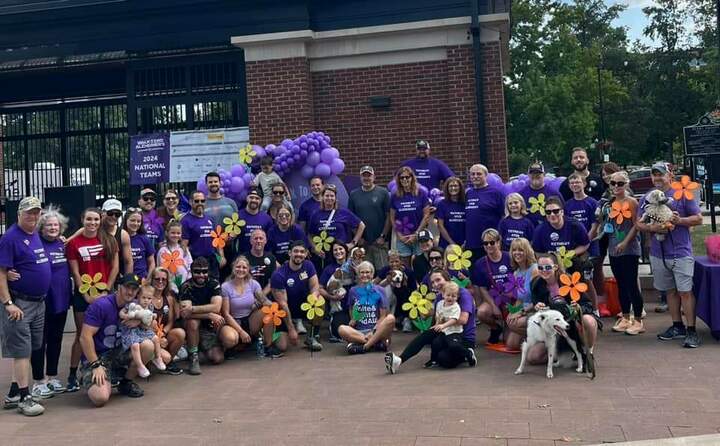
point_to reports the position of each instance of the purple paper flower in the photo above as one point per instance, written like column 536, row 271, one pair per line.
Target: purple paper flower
column 515, row 285
column 404, row 226
column 497, row 291
column 153, row 221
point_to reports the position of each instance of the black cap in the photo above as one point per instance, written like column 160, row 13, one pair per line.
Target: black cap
column 295, row 243
column 129, row 280
column 536, row 167
column 424, row 235
column 422, row 144
column 255, row 191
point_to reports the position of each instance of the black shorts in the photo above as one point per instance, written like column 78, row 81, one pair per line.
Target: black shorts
column 244, row 323
column 79, row 303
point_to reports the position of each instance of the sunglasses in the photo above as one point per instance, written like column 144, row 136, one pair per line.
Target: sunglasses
column 553, row 211
column 134, row 210
column 405, row 177
column 148, row 197
column 116, row 214
column 489, row 243
column 435, row 258
column 198, row 201
column 545, row 267
column 283, row 215
column 617, row 183
column 200, row 271
column 170, row 198
column 278, row 192
column 159, row 279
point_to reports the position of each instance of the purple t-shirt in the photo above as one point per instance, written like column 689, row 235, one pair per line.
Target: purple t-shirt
column 241, row 305
column 341, row 227
column 307, row 209
column 154, row 225
column 370, row 299
column 452, row 213
column 104, row 315
column 485, row 272
column 58, row 296
column 197, row 231
column 141, row 249
column 25, row 254
column 261, row 220
column 677, row 242
column 467, row 305
column 583, row 211
column 484, row 207
column 548, row 239
column 296, row 284
column 537, row 215
column 408, row 211
column 279, row 241
column 512, row 228
column 429, row 171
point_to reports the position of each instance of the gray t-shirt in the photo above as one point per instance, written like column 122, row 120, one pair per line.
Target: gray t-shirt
column 619, row 233
column 372, row 207
column 218, row 208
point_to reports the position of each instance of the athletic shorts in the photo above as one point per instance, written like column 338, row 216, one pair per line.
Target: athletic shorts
column 673, row 274
column 20, row 338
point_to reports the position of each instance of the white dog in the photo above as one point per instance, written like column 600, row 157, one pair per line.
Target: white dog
column 545, row 326
column 396, row 280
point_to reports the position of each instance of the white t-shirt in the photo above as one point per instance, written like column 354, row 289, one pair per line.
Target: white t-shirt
column 444, row 314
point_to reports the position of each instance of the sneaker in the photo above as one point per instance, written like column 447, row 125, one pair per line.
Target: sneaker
column 299, row 326
column 313, row 344
column 42, row 392
column 130, row 389
column 159, row 364
column 392, row 362
column 355, row 349
column 661, row 308
column 72, row 385
column 182, row 354
column 644, row 313
column 430, row 364
column 692, row 340
column 672, row 333
column 334, row 339
column 56, row 386
column 407, row 326
column 472, row 359
column 621, row 325
column 636, row 328
column 11, row 402
column 194, row 368
column 29, row 407
column 494, row 335
column 143, row 372
column 172, row 369
column 273, row 352
column 381, row 346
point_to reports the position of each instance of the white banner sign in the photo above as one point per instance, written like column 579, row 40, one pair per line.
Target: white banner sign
column 196, row 152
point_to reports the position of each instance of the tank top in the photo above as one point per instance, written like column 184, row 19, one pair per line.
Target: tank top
column 162, row 314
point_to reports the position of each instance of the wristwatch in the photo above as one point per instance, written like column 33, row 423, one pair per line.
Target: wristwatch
column 8, row 303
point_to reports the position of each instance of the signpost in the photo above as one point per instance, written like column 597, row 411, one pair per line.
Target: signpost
column 702, row 140
column 149, row 158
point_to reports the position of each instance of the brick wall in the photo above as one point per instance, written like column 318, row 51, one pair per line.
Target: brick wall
column 430, row 100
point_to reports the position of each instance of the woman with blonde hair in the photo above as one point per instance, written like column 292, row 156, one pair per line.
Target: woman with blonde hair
column 515, row 224
column 524, row 265
column 409, row 213
column 167, row 311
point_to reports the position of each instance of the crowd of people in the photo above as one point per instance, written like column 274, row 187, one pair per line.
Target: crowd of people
column 153, row 290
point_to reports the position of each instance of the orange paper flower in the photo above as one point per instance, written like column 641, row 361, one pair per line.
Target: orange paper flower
column 620, row 211
column 684, row 188
column 273, row 314
column 160, row 331
column 572, row 286
column 219, row 237
column 171, row 261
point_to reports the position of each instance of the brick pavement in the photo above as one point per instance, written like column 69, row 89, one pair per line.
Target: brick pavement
column 645, row 389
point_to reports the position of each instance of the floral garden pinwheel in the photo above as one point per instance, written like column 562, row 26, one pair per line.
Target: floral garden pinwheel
column 572, row 286
column 233, row 224
column 565, row 256
column 92, row 286
column 684, row 188
column 497, row 292
column 404, row 226
column 246, row 154
column 419, row 307
column 171, row 261
column 620, row 211
column 153, row 221
column 323, row 241
column 537, row 204
column 219, row 237
column 273, row 314
column 515, row 285
column 459, row 259
column 314, row 307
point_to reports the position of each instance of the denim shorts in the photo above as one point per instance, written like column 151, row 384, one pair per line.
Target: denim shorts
column 407, row 250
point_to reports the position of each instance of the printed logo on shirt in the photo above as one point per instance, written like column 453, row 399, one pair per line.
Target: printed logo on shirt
column 88, row 252
column 27, row 242
column 290, row 282
column 266, row 261
column 502, row 269
column 58, row 257
column 554, row 236
column 303, row 275
column 40, row 256
column 110, row 336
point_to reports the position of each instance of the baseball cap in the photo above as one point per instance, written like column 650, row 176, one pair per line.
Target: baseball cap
column 254, row 191
column 367, row 169
column 661, row 167
column 112, row 204
column 536, row 167
column 422, row 144
column 147, row 191
column 29, row 203
column 129, row 280
column 424, row 235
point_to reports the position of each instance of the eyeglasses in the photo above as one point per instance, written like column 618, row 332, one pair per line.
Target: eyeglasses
column 545, row 267
column 200, row 271
column 199, row 201
column 116, row 214
column 283, row 215
column 489, row 243
column 553, row 211
column 617, row 183
column 278, row 192
column 171, row 198
column 159, row 279
column 148, row 197
column 435, row 258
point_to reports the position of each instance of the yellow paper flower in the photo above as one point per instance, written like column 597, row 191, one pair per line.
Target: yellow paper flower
column 323, row 241
column 314, row 306
column 234, row 224
column 537, row 204
column 247, row 154
column 459, row 259
column 565, row 257
column 93, row 286
column 420, row 302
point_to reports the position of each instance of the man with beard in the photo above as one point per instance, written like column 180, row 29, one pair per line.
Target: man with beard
column 262, row 263
column 429, row 171
column 153, row 223
column 371, row 204
column 484, row 207
column 594, row 185
column 536, row 192
column 217, row 207
column 254, row 219
column 291, row 284
column 312, row 204
column 196, row 233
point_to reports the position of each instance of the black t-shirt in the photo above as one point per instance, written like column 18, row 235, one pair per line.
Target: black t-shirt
column 594, row 187
column 199, row 295
column 421, row 265
column 262, row 268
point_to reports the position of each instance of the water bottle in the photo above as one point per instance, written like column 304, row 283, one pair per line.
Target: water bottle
column 259, row 347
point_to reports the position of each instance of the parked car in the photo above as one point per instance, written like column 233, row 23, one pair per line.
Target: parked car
column 640, row 181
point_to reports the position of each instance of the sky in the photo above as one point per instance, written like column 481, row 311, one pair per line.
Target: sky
column 633, row 18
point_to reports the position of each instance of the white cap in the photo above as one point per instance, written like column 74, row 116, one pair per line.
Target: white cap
column 112, row 205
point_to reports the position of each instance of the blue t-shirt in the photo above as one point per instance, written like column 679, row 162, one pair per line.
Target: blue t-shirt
column 341, row 227
column 583, row 211
column 452, row 213
column 429, row 171
column 307, row 209
column 58, row 296
column 548, row 239
column 25, row 254
column 141, row 249
column 408, row 211
column 103, row 314
column 368, row 300
column 296, row 284
column 512, row 228
column 261, row 220
column 484, row 207
column 278, row 241
column 197, row 231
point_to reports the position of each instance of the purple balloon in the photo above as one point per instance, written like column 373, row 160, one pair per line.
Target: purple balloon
column 337, row 166
column 323, row 170
column 303, row 145
column 202, row 186
column 236, row 185
column 226, row 183
column 494, row 180
column 335, row 151
column 280, row 150
column 302, row 138
column 307, row 171
column 313, row 159
column 327, row 156
column 303, row 154
column 260, row 153
column 284, row 165
column 295, row 149
column 241, row 195
column 222, row 191
column 248, row 178
column 392, row 187
column 287, row 142
column 297, row 157
column 237, row 170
